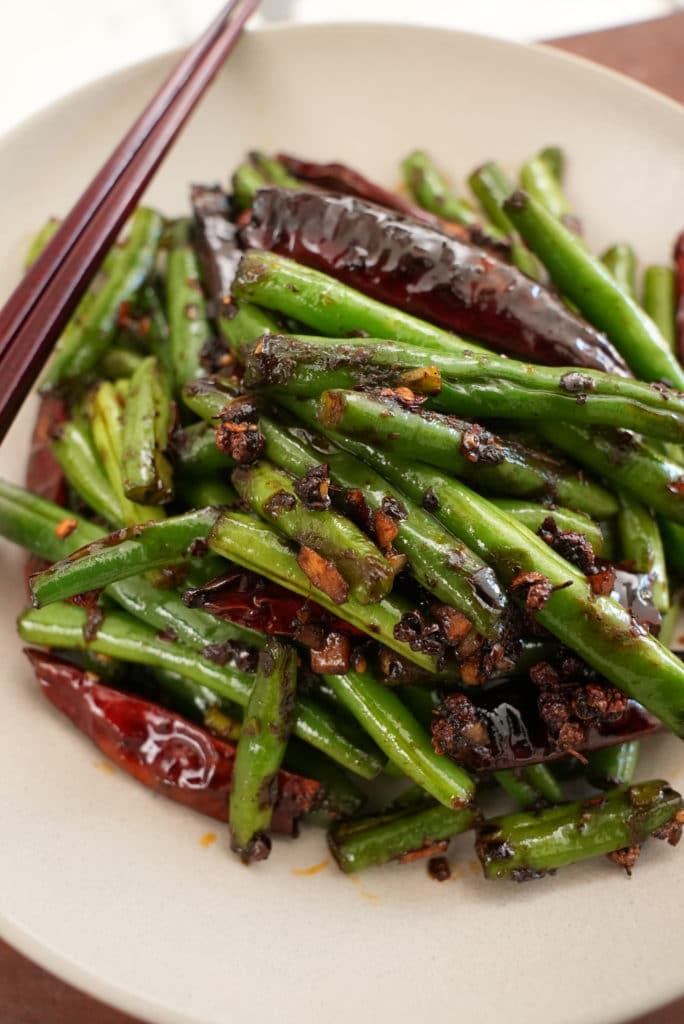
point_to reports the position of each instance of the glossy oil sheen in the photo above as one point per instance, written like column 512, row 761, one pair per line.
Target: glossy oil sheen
column 110, row 885
column 424, row 271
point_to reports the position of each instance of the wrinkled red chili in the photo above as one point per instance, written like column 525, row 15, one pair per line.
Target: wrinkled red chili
column 159, row 748
column 427, row 272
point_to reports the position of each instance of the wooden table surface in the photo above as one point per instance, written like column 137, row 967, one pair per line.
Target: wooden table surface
column 650, row 52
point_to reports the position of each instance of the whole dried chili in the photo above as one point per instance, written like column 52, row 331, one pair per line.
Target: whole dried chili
column 425, row 271
column 159, row 748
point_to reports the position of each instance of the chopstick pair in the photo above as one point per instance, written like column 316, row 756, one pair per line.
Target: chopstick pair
column 40, row 306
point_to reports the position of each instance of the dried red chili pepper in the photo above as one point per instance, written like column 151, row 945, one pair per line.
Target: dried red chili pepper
column 248, row 599
column 159, row 748
column 427, row 272
column 44, row 474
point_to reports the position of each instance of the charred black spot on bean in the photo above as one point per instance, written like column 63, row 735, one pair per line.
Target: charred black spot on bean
column 168, row 635
column 430, row 500
column 269, row 362
column 199, row 547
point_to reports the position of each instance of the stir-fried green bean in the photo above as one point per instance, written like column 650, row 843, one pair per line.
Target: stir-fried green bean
column 146, row 471
column 329, row 490
column 120, row 636
column 266, row 728
column 94, row 324
column 592, row 287
column 522, row 846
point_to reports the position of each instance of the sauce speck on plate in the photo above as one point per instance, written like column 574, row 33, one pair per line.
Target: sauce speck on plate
column 312, row 870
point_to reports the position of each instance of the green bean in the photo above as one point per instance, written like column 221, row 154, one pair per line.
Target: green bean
column 421, row 702
column 672, row 535
column 431, row 191
column 495, row 465
column 146, row 471
column 446, row 569
column 94, row 324
column 208, row 398
column 659, row 300
column 123, row 554
column 492, row 187
column 467, row 384
column 271, row 493
column 555, row 159
column 37, row 524
column 120, row 636
column 192, row 627
column 620, row 260
column 516, row 785
column 669, row 625
column 369, row 842
column 189, row 329
column 625, row 461
column 147, row 326
column 523, row 846
column 322, row 303
column 400, row 737
column 107, row 430
column 273, row 170
column 268, row 722
column 197, row 492
column 247, row 180
column 119, row 361
column 598, row 628
column 532, row 516
column 538, row 178
column 246, row 324
column 590, row 285
column 642, row 544
column 74, row 449
column 254, row 545
column 541, row 777
column 613, row 766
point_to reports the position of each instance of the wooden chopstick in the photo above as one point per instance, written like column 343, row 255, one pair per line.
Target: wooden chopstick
column 39, row 308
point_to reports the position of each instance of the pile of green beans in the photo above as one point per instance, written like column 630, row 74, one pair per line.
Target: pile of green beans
column 399, row 482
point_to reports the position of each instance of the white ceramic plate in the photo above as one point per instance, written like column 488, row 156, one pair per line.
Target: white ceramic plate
column 110, row 886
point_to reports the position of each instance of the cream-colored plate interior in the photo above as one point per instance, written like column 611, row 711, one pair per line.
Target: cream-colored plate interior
column 110, row 886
